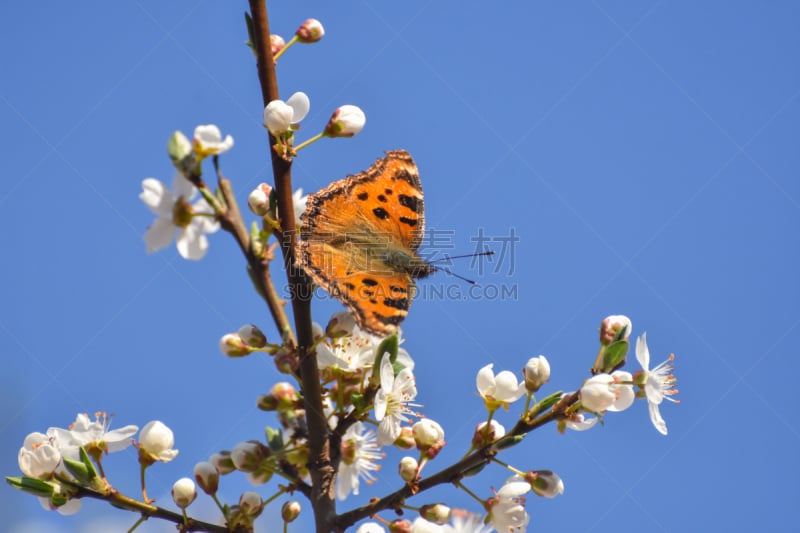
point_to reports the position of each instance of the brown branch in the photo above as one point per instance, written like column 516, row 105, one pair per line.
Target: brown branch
column 322, row 472
column 151, row 511
column 455, row 471
column 231, row 221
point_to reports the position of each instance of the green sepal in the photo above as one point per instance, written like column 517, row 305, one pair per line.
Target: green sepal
column 549, row 401
column 357, row 400
column 475, row 469
column 248, row 20
column 274, row 439
column 508, row 442
column 78, row 470
column 31, row 485
column 614, row 355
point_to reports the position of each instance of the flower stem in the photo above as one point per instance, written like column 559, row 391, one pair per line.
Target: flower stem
column 313, row 139
column 285, row 47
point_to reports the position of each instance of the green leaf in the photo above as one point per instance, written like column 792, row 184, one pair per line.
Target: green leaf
column 614, row 355
column 31, row 485
column 358, row 402
column 78, row 470
column 248, row 20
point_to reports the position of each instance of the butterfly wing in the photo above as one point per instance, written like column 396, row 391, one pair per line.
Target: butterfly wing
column 359, row 236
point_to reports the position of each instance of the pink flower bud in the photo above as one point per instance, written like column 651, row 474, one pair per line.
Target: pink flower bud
column 277, row 43
column 232, row 345
column 536, row 372
column 438, row 513
column 614, row 327
column 250, row 503
column 252, row 336
column 484, row 436
column 346, row 121
column 222, row 462
column 310, row 31
column 258, row 201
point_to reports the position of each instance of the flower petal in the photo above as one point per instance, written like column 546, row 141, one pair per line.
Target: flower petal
column 300, row 105
column 655, row 418
column 642, row 352
column 182, row 187
column 485, row 380
column 159, row 235
column 156, row 196
column 192, row 244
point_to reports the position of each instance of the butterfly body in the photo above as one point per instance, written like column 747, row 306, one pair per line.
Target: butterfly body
column 360, row 237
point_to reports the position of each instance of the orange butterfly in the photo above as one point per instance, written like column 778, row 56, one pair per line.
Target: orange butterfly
column 360, row 237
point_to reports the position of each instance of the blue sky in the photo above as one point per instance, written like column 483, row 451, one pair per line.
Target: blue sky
column 645, row 154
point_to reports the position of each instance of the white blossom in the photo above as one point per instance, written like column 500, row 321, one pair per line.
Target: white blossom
column 498, row 390
column 208, row 141
column 346, row 121
column 156, row 439
column 658, row 383
column 360, row 456
column 176, row 215
column 39, row 456
column 88, row 433
column 281, row 117
column 391, row 401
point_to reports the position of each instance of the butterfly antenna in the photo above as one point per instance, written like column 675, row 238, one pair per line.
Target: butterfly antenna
column 459, row 276
column 449, row 257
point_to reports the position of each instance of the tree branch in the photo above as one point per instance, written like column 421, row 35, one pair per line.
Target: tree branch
column 322, row 472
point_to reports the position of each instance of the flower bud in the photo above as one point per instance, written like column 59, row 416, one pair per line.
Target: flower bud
column 438, row 513
column 290, row 510
column 155, row 443
column 346, row 121
column 613, row 328
column 223, row 462
column 38, row 457
column 310, row 31
column 536, row 372
column 178, row 147
column 545, row 483
column 406, row 439
column 207, row 476
column 370, row 527
column 247, row 456
column 604, row 391
column 250, row 503
column 252, row 336
column 258, row 200
column 286, row 361
column 483, row 436
column 233, row 345
column 400, row 526
column 277, row 43
column 408, row 469
column 184, row 492
column 341, row 324
column 427, row 433
column 278, row 117
column 285, row 395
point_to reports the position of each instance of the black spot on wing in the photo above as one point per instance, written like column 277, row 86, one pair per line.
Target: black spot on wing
column 411, row 202
column 394, row 320
column 397, row 303
column 409, row 221
column 395, row 288
column 382, row 198
column 388, row 192
column 362, row 196
column 369, row 282
column 381, row 213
